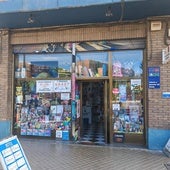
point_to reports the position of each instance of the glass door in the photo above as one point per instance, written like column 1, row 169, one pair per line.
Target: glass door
column 127, row 96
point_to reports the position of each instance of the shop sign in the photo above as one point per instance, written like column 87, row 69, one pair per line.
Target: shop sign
column 166, row 55
column 166, row 95
column 153, row 77
column 12, row 155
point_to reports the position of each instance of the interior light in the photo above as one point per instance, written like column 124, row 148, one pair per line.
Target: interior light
column 30, row 19
column 108, row 12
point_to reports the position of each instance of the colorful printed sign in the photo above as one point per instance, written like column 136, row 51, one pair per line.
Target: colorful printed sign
column 12, row 155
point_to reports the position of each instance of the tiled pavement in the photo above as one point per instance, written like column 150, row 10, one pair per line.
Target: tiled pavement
column 55, row 155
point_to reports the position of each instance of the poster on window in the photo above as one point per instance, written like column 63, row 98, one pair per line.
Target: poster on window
column 136, row 84
column 44, row 86
column 134, row 112
column 122, row 92
column 65, row 96
column 62, row 86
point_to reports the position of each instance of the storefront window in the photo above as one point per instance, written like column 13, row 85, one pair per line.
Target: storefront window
column 42, row 94
column 92, row 64
column 127, row 97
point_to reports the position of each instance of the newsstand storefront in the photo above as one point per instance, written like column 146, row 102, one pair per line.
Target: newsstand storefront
column 90, row 91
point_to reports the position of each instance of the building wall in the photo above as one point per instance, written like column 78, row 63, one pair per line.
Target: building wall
column 158, row 107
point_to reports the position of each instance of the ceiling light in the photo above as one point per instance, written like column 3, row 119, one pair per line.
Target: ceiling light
column 30, row 19
column 108, row 12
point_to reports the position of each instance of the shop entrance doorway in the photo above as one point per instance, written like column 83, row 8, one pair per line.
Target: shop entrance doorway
column 93, row 126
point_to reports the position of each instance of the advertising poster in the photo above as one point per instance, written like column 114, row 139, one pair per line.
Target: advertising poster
column 44, row 86
column 12, row 155
column 62, row 86
column 78, row 108
column 44, row 69
column 73, row 86
column 65, row 96
column 122, row 92
column 135, row 84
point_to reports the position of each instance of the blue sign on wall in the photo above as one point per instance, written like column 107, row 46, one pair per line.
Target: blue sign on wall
column 166, row 95
column 12, row 155
column 153, row 77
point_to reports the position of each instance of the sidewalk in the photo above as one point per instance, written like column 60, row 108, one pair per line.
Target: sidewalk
column 54, row 155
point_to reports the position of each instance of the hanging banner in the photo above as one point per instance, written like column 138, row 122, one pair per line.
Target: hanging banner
column 12, row 155
column 73, row 96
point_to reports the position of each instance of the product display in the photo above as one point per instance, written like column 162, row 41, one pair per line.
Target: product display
column 91, row 65
column 42, row 101
column 39, row 113
column 128, row 118
column 127, row 106
column 127, row 97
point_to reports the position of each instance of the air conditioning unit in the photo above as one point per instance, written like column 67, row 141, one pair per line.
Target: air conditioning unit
column 156, row 25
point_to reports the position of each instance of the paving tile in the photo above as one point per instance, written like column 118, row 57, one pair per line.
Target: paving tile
column 57, row 155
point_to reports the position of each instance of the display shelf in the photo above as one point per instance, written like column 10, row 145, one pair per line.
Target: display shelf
column 122, row 137
column 34, row 79
column 93, row 78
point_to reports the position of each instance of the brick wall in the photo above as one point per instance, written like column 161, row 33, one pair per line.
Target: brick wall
column 158, row 108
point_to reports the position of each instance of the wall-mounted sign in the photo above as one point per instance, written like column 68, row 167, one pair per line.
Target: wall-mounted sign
column 153, row 77
column 166, row 95
column 166, row 55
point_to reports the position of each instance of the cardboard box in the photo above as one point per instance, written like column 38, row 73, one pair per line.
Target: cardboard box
column 119, row 137
column 65, row 135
